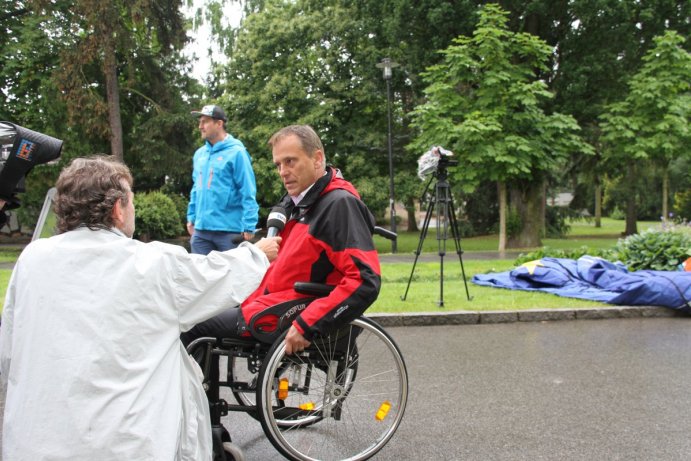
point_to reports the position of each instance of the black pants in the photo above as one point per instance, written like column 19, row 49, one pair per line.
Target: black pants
column 224, row 325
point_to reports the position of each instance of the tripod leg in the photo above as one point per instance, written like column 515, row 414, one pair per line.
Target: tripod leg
column 457, row 241
column 423, row 234
column 442, row 212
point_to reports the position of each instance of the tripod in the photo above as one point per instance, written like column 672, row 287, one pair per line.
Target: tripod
column 442, row 202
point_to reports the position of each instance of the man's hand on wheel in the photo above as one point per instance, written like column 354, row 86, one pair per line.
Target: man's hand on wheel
column 295, row 342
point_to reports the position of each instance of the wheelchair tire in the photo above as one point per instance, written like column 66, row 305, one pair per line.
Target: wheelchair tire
column 341, row 398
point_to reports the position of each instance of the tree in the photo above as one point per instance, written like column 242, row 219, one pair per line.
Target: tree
column 308, row 72
column 484, row 102
column 597, row 46
column 37, row 43
column 315, row 62
column 652, row 122
column 112, row 37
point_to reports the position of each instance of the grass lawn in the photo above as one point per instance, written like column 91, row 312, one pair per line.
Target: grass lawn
column 582, row 233
column 4, row 281
column 424, row 291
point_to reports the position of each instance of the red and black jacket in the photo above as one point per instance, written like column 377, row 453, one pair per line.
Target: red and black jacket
column 327, row 239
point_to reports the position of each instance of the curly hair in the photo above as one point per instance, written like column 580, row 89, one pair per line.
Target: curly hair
column 87, row 190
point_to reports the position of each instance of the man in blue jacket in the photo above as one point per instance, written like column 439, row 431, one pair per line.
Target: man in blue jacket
column 223, row 209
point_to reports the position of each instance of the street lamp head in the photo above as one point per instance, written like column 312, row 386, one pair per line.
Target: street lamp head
column 387, row 64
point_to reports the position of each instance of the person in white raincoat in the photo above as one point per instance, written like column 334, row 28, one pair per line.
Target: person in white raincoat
column 90, row 356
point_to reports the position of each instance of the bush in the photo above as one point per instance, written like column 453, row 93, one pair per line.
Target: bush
column 557, row 221
column 514, row 223
column 156, row 217
column 654, row 249
column 682, row 205
column 617, row 214
column 181, row 207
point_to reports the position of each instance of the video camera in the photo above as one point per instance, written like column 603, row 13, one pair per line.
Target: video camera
column 20, row 150
column 437, row 158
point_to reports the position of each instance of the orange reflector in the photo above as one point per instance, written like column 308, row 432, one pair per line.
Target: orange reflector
column 307, row 406
column 283, row 389
column 383, row 411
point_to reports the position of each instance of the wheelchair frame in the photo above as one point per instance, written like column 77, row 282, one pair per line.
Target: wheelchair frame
column 341, row 398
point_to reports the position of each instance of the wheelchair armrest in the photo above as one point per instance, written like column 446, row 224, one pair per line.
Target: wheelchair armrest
column 313, row 289
column 386, row 233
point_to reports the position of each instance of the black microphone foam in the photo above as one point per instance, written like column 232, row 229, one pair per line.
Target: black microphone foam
column 276, row 221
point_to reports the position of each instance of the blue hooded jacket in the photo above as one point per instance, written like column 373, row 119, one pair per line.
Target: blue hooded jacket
column 224, row 190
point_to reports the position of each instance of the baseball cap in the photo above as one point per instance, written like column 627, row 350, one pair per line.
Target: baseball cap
column 211, row 111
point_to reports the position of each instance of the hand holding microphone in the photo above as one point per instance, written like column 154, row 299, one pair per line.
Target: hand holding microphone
column 275, row 223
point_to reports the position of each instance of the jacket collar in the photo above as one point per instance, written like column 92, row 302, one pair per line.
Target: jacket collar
column 312, row 195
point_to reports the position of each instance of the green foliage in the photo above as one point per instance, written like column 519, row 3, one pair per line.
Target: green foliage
column 308, row 73
column 180, row 202
column 514, row 223
column 556, row 221
column 485, row 103
column 682, row 205
column 654, row 249
column 619, row 188
column 479, row 210
column 156, row 216
column 617, row 214
column 652, row 123
column 315, row 62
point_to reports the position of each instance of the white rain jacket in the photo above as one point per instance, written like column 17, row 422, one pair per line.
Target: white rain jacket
column 90, row 355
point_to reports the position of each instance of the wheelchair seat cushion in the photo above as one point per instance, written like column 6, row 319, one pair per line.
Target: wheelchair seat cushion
column 268, row 324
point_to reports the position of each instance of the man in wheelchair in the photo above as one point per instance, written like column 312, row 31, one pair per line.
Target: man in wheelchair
column 327, row 239
column 336, row 386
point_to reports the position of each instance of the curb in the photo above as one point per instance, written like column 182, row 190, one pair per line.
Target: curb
column 531, row 315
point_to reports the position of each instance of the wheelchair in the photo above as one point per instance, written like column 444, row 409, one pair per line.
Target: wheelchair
column 343, row 397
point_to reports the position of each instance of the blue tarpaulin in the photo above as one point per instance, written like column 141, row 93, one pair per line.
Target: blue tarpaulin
column 596, row 279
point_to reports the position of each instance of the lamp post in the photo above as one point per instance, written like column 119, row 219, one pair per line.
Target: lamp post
column 387, row 64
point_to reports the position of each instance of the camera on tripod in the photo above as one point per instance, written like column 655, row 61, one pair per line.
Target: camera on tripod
column 434, row 160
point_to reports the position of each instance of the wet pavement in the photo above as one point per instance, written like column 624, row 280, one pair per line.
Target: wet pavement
column 586, row 390
column 612, row 389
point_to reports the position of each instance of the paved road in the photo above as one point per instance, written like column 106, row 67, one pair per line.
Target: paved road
column 567, row 390
column 578, row 390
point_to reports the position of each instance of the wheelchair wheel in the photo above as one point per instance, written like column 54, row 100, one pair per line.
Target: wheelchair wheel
column 341, row 398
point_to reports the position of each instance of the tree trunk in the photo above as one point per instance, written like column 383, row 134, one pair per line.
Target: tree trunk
column 598, row 202
column 411, row 210
column 501, row 194
column 665, row 195
column 113, row 95
column 631, row 217
column 543, row 210
column 527, row 199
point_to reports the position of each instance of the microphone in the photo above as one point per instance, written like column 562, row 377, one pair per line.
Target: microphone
column 276, row 221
